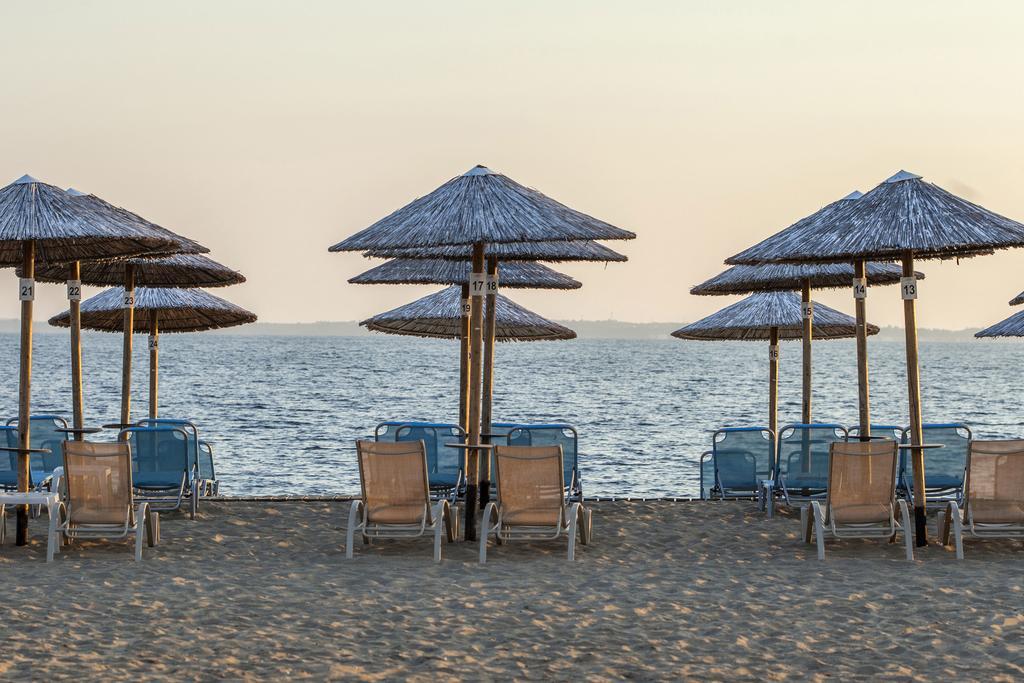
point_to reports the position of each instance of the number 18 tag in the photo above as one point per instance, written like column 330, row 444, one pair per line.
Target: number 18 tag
column 477, row 284
column 492, row 284
column 26, row 289
column 860, row 288
column 908, row 288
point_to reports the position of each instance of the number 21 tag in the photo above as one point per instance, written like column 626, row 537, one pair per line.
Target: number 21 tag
column 26, row 289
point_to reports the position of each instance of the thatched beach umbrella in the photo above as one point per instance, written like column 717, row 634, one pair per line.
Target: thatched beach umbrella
column 177, row 270
column 520, row 274
column 40, row 221
column 902, row 219
column 473, row 210
column 781, row 277
column 550, row 252
column 770, row 316
column 1011, row 327
column 1017, row 300
column 162, row 309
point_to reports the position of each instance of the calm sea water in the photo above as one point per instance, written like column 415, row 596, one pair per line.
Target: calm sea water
column 283, row 412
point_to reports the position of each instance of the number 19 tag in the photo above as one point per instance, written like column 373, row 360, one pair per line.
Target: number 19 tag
column 74, row 290
column 128, row 300
column 26, row 289
column 465, row 308
column 860, row 288
column 908, row 288
column 477, row 284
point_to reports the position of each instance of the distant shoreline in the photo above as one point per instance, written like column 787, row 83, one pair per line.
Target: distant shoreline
column 586, row 329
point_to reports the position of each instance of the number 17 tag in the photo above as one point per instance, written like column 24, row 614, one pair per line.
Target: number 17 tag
column 477, row 284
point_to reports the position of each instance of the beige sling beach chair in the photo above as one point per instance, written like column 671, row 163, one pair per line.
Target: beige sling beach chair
column 98, row 501
column 531, row 500
column 396, row 496
column 861, row 500
column 993, row 495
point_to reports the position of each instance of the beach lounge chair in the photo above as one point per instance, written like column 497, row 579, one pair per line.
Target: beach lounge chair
column 803, row 460
column 531, row 501
column 547, row 434
column 444, row 465
column 944, row 468
column 742, row 459
column 9, row 462
column 395, row 500
column 706, row 472
column 42, row 434
column 200, row 463
column 207, row 472
column 98, row 500
column 994, row 502
column 161, row 471
column 861, row 501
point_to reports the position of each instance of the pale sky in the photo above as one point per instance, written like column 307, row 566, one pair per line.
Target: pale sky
column 271, row 130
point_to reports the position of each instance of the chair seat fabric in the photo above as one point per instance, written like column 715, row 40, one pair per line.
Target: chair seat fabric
column 861, row 513
column 530, row 517
column 399, row 513
column 997, row 511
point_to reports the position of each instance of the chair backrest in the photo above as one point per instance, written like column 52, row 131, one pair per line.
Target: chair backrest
column 862, row 481
column 394, row 481
column 435, row 436
column 803, row 453
column 159, row 454
column 42, row 434
column 205, row 462
column 742, row 457
column 186, row 426
column 995, row 482
column 944, row 468
column 98, row 481
column 531, row 484
column 554, row 434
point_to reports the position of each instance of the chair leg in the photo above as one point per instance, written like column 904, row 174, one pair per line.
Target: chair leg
column 350, row 533
column 908, row 539
column 805, row 523
column 958, row 534
column 3, row 524
column 574, row 518
column 490, row 512
column 587, row 532
column 819, row 527
column 52, row 535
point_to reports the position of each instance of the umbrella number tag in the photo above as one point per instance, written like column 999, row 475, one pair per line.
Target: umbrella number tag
column 773, row 352
column 74, row 290
column 129, row 300
column 153, row 343
column 466, row 308
column 477, row 284
column 808, row 310
column 26, row 289
column 492, row 284
column 860, row 288
column 908, row 288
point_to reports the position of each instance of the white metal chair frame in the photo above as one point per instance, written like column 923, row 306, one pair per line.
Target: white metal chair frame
column 435, row 519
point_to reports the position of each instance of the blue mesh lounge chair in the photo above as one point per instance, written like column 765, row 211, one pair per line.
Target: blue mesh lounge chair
column 944, row 468
column 802, row 460
column 42, row 434
column 207, row 472
column 741, row 460
column 553, row 434
column 9, row 463
column 707, row 475
column 200, row 463
column 444, row 465
column 160, row 466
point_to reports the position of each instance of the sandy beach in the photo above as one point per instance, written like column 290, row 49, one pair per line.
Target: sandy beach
column 668, row 590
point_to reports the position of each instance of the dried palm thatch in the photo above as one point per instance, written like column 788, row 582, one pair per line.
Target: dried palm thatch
column 1011, row 327
column 437, row 272
column 65, row 229
column 179, row 270
column 480, row 206
column 789, row 277
column 439, row 315
column 752, row 319
column 553, row 252
column 179, row 310
column 903, row 214
column 1017, row 300
column 182, row 245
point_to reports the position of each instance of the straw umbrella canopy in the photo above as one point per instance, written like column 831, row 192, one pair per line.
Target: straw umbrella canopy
column 473, row 210
column 165, row 309
column 524, row 275
column 1011, row 327
column 802, row 278
column 1017, row 300
column 770, row 316
column 902, row 219
column 42, row 221
column 439, row 316
column 551, row 252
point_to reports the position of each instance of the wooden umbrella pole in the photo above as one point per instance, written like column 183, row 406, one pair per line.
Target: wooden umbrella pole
column 490, row 321
column 773, row 380
column 464, row 361
column 126, row 354
column 908, row 289
column 75, row 307
column 476, row 285
column 807, row 308
column 154, row 362
column 860, row 294
column 27, row 293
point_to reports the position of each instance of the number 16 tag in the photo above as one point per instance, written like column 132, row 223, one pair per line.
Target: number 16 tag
column 477, row 284
column 773, row 352
column 908, row 288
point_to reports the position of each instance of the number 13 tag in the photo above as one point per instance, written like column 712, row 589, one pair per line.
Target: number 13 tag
column 908, row 288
